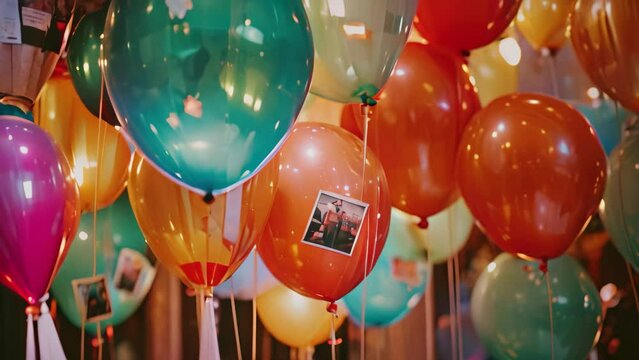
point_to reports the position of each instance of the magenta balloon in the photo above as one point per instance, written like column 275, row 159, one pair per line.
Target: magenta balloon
column 39, row 208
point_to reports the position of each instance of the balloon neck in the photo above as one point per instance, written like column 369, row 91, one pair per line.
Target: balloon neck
column 209, row 198
column 423, row 223
column 543, row 266
column 33, row 310
column 366, row 93
column 465, row 54
column 332, row 308
column 21, row 103
column 548, row 52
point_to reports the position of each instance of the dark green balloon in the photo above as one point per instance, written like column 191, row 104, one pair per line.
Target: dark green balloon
column 83, row 62
column 15, row 111
column 510, row 311
column 117, row 229
column 208, row 89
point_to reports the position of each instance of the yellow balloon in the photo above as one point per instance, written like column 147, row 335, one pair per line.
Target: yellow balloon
column 96, row 151
column 543, row 22
column 296, row 320
column 448, row 231
column 202, row 244
column 494, row 69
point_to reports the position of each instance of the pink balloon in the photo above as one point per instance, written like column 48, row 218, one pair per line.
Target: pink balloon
column 39, row 208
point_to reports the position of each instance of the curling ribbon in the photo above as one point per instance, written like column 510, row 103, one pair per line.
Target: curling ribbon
column 209, row 348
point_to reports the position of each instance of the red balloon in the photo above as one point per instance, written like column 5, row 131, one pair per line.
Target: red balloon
column 464, row 25
column 348, row 120
column 532, row 171
column 306, row 246
column 416, row 127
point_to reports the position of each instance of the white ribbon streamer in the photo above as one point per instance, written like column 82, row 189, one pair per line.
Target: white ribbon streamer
column 209, row 347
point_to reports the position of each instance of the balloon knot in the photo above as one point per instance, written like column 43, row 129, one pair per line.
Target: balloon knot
column 332, row 308
column 366, row 93
column 32, row 310
column 209, row 198
column 543, row 266
column 423, row 223
column 465, row 53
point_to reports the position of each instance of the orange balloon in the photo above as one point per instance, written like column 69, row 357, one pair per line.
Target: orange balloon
column 349, row 121
column 532, row 171
column 201, row 244
column 604, row 36
column 417, row 126
column 98, row 154
column 306, row 246
column 464, row 25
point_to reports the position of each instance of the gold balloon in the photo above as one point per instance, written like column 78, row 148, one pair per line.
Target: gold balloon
column 543, row 22
column 96, row 151
column 296, row 320
column 604, row 36
column 185, row 233
column 490, row 68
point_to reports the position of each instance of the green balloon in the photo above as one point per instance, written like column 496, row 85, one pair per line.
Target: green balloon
column 117, row 229
column 620, row 207
column 208, row 89
column 15, row 111
column 509, row 308
column 83, row 60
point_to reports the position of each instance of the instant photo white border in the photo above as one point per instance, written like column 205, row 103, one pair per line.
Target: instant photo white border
column 145, row 277
column 343, row 198
column 83, row 307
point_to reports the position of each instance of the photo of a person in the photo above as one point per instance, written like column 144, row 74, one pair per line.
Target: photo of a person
column 335, row 222
column 133, row 271
column 92, row 298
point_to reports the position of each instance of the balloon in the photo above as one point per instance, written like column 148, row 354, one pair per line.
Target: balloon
column 416, row 128
column 29, row 50
column 447, row 233
column 349, row 121
column 243, row 283
column 84, row 65
column 603, row 36
column 325, row 158
column 96, row 152
column 464, row 25
column 543, row 23
column 397, row 281
column 12, row 110
column 607, row 121
column 356, row 45
column 208, row 90
column 296, row 320
column 618, row 209
column 510, row 309
column 493, row 74
column 39, row 208
column 116, row 231
column 532, row 172
column 185, row 233
column 317, row 109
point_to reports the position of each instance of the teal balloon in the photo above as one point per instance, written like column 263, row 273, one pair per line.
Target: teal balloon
column 620, row 206
column 15, row 111
column 389, row 296
column 208, row 89
column 117, row 229
column 607, row 121
column 83, row 62
column 510, row 310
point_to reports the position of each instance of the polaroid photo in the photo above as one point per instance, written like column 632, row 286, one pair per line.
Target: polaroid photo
column 133, row 272
column 335, row 223
column 92, row 298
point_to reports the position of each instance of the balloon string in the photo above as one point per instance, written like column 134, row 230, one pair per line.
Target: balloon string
column 365, row 108
column 550, row 317
column 428, row 317
column 633, row 285
column 458, row 316
column 452, row 311
column 254, row 332
column 82, row 334
column 235, row 327
column 553, row 71
column 99, row 334
column 333, row 336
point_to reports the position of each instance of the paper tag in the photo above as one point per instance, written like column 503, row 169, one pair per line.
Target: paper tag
column 10, row 22
column 40, row 20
